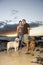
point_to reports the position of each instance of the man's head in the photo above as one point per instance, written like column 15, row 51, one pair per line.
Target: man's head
column 23, row 21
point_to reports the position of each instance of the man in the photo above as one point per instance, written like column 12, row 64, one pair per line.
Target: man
column 26, row 31
column 20, row 33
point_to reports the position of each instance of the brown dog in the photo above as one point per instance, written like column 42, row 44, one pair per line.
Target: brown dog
column 32, row 45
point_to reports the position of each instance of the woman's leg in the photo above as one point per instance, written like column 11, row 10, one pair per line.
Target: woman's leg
column 21, row 41
column 20, row 37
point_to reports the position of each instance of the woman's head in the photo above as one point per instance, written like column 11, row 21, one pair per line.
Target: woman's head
column 20, row 22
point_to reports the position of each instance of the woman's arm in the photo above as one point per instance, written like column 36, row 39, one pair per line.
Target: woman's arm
column 17, row 29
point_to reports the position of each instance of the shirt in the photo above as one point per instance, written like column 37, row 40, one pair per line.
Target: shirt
column 25, row 30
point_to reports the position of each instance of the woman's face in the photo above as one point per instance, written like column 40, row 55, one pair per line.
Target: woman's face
column 20, row 23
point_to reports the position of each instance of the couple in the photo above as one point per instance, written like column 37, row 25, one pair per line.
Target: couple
column 23, row 30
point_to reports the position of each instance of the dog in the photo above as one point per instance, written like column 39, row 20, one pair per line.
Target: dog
column 32, row 45
column 14, row 44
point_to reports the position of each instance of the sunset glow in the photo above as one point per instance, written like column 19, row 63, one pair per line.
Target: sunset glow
column 38, row 31
column 11, row 35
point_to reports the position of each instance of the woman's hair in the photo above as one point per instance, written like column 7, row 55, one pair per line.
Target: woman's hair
column 20, row 21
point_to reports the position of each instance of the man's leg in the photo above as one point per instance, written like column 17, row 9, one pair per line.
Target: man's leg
column 26, row 40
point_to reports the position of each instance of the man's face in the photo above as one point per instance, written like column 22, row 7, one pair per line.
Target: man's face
column 23, row 22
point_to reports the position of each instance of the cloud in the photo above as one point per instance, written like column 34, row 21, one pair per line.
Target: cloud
column 8, row 28
column 15, row 17
column 2, row 24
column 9, row 22
column 36, row 24
column 14, row 11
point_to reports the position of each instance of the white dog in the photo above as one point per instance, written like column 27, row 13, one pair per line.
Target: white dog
column 14, row 44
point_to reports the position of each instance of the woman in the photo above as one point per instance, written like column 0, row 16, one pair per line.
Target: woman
column 20, row 33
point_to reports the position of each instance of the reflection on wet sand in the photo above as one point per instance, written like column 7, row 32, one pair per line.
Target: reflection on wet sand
column 17, row 58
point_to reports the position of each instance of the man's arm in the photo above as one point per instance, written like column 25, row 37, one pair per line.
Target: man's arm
column 28, row 30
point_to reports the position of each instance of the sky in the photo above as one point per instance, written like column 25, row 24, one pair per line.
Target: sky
column 15, row 10
column 11, row 11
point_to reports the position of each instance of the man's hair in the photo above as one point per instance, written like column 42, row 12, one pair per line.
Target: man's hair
column 23, row 20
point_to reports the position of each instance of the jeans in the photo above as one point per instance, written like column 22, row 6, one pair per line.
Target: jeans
column 21, row 40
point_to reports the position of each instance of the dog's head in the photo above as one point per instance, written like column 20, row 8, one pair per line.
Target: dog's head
column 17, row 39
column 33, row 38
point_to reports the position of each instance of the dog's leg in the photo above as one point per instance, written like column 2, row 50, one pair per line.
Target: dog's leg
column 7, row 49
column 15, row 48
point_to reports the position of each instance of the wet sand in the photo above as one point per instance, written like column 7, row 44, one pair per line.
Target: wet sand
column 18, row 57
